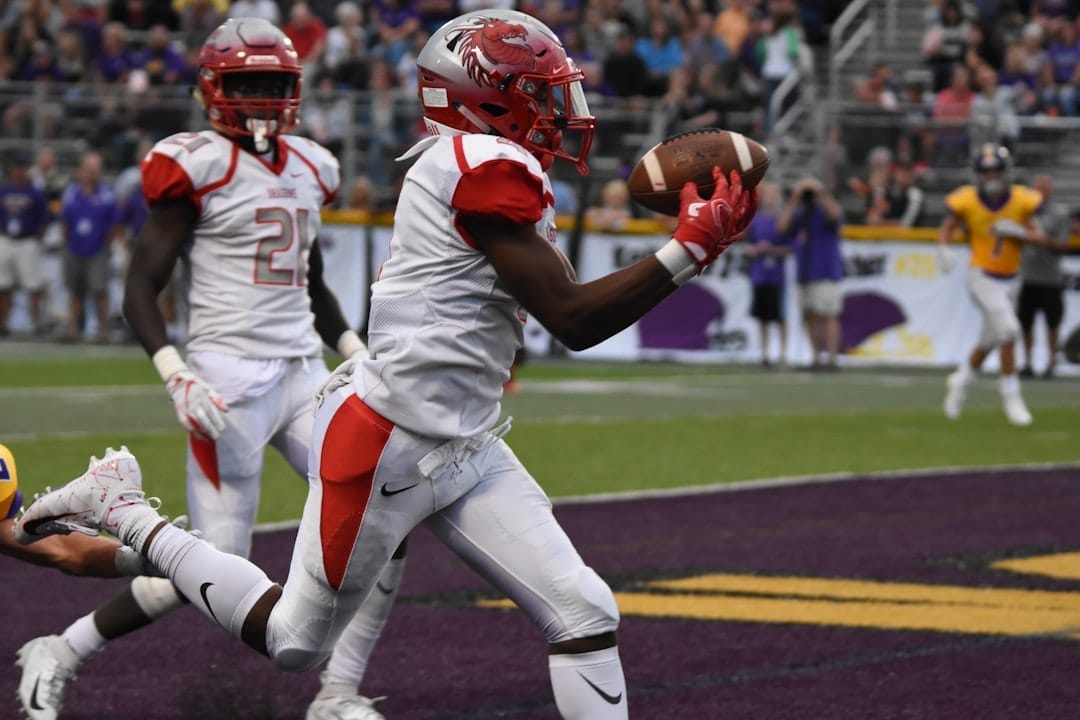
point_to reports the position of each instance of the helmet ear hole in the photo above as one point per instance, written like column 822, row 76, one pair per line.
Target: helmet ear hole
column 493, row 110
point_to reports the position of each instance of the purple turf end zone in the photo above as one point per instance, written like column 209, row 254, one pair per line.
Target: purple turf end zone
column 443, row 658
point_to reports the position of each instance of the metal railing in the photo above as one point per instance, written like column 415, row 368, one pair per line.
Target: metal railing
column 842, row 50
column 74, row 118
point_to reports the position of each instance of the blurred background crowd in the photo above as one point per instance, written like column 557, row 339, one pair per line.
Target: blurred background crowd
column 881, row 99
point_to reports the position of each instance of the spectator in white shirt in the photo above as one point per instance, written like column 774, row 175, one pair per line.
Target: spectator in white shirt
column 347, row 44
column 266, row 9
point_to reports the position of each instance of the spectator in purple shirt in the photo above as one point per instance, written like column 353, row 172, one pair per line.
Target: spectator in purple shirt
column 164, row 64
column 397, row 21
column 90, row 214
column 767, row 247
column 813, row 217
column 114, row 61
column 1062, row 70
column 40, row 65
column 24, row 215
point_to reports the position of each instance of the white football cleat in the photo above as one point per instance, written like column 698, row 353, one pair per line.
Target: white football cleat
column 343, row 707
column 85, row 504
column 955, row 394
column 1016, row 410
column 48, row 665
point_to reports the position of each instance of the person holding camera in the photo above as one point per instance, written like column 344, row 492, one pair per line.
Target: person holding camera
column 813, row 217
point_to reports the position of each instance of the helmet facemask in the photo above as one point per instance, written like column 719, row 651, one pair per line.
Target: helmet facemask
column 563, row 126
column 257, row 104
column 993, row 171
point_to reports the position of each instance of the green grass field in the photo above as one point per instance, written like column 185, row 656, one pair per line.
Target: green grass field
column 580, row 428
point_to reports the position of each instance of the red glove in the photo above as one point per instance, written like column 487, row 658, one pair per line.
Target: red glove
column 707, row 227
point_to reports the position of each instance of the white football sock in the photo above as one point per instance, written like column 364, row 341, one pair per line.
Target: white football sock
column 349, row 661
column 1009, row 385
column 965, row 373
column 84, row 638
column 224, row 587
column 589, row 686
column 132, row 522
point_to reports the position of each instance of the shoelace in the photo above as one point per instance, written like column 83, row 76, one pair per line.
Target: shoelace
column 67, row 527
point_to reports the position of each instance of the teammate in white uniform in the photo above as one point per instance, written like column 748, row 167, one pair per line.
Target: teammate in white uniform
column 240, row 205
column 408, row 435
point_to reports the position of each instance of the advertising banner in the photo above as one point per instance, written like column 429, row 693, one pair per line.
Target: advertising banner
column 898, row 308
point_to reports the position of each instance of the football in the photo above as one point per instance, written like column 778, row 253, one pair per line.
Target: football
column 690, row 157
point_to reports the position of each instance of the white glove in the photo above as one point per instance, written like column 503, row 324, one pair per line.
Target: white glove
column 946, row 259
column 1009, row 229
column 353, row 349
column 198, row 407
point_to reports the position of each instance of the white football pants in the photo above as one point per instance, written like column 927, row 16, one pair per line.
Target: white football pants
column 224, row 475
column 371, row 483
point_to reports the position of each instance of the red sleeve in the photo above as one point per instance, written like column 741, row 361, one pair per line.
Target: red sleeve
column 164, row 179
column 502, row 190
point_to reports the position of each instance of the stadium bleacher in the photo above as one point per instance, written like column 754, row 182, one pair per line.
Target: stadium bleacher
column 98, row 74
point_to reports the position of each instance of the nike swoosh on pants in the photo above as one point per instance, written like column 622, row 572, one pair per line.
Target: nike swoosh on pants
column 610, row 699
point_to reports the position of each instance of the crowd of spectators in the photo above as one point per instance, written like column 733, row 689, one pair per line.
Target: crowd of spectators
column 985, row 66
column 118, row 70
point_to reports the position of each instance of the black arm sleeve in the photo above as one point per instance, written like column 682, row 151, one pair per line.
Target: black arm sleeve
column 329, row 321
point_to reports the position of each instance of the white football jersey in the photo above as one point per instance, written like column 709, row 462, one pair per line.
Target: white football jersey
column 247, row 265
column 443, row 330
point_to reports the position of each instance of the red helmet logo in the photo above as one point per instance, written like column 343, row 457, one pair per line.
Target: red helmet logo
column 506, row 73
column 499, row 42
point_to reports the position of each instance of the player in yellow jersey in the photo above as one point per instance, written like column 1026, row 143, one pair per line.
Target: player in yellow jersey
column 998, row 218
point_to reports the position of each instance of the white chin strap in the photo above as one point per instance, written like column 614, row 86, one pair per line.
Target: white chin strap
column 260, row 133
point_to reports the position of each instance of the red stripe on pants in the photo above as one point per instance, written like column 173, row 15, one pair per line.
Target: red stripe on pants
column 205, row 453
column 350, row 452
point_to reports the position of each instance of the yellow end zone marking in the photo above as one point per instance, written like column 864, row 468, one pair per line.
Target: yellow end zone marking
column 826, row 589
column 854, row 603
column 1064, row 566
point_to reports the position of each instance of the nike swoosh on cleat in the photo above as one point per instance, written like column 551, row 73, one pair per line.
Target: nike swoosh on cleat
column 388, row 493
column 202, row 591
column 34, row 705
column 610, row 699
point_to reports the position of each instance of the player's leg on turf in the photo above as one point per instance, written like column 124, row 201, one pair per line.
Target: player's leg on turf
column 347, row 535
column 223, row 489
column 338, row 695
column 1053, row 312
column 956, row 383
column 996, row 300
column 350, row 529
column 1025, row 313
column 528, row 556
column 224, row 475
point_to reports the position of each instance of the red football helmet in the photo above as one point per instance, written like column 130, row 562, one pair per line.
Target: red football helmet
column 506, row 73
column 250, row 79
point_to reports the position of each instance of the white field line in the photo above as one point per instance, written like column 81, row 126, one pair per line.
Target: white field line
column 89, row 391
column 673, row 384
column 761, row 484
